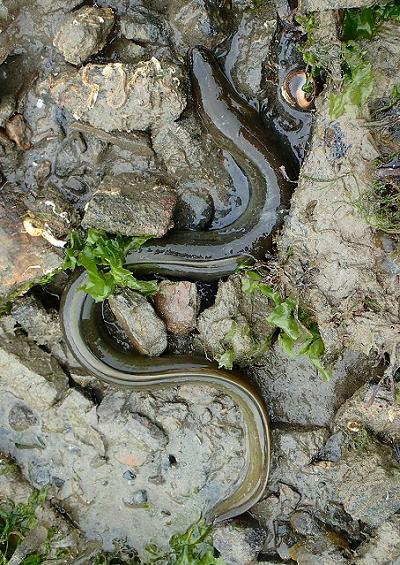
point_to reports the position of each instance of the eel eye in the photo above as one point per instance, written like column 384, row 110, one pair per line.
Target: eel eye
column 292, row 89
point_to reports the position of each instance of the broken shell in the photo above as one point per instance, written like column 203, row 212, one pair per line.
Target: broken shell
column 354, row 427
column 37, row 232
column 292, row 89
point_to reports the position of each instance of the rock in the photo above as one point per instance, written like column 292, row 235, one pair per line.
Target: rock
column 131, row 205
column 319, row 545
column 383, row 546
column 7, row 108
column 195, row 22
column 333, row 448
column 18, row 131
column 41, row 325
column 122, row 97
column 199, row 171
column 272, row 512
column 143, row 27
column 381, row 416
column 126, row 51
column 237, row 322
column 239, row 540
column 250, row 48
column 287, row 381
column 23, row 259
column 138, row 319
column 353, row 482
column 194, row 210
column 21, row 417
column 84, row 33
column 178, row 304
column 50, row 211
column 355, row 303
column 359, row 488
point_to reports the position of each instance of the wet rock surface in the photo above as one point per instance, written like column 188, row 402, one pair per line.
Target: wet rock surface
column 131, row 205
column 237, row 322
column 145, row 95
column 239, row 541
column 144, row 329
column 178, row 304
column 84, row 33
column 23, row 258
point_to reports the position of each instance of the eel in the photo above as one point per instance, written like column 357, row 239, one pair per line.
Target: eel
column 201, row 255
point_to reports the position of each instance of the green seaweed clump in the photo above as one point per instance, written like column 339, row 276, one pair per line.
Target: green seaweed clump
column 298, row 333
column 103, row 258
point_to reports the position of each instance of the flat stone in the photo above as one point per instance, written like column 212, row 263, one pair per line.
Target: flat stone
column 131, row 205
column 84, row 33
column 145, row 330
column 122, row 97
column 23, row 259
column 178, row 304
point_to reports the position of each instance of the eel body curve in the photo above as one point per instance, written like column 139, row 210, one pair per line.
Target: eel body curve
column 211, row 254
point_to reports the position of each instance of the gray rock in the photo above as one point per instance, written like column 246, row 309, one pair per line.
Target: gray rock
column 272, row 511
column 7, row 108
column 249, row 49
column 122, row 97
column 143, row 27
column 195, row 22
column 50, row 210
column 354, row 481
column 239, row 541
column 21, row 417
column 131, row 205
column 299, row 395
column 237, row 322
column 198, row 169
column 41, row 325
column 194, row 209
column 318, row 545
column 354, row 303
column 126, row 51
column 137, row 317
column 84, row 33
column 381, row 416
column 382, row 547
column 23, row 259
column 178, row 304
